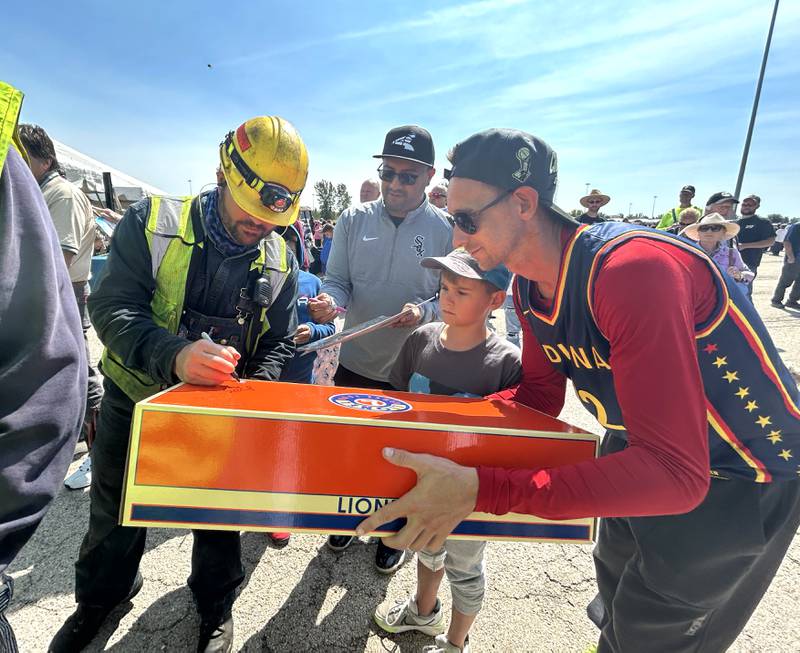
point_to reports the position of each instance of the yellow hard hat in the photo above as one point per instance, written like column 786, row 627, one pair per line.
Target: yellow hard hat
column 265, row 164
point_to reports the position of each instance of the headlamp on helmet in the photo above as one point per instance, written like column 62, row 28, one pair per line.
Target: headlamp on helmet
column 275, row 197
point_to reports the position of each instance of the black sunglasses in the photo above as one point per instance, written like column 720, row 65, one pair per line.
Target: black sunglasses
column 406, row 178
column 275, row 197
column 466, row 221
column 711, row 227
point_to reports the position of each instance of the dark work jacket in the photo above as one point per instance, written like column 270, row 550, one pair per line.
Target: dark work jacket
column 120, row 308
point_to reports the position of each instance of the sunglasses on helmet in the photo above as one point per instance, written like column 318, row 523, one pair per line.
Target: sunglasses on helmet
column 275, row 197
column 465, row 220
column 406, row 178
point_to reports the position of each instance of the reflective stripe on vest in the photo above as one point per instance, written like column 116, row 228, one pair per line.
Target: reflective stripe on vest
column 170, row 237
column 10, row 105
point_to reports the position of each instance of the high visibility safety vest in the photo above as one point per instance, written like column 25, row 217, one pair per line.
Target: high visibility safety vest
column 10, row 105
column 171, row 240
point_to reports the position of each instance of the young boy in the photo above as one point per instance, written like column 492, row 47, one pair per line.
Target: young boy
column 458, row 356
column 299, row 369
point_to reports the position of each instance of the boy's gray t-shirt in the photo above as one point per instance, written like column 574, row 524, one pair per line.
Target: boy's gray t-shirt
column 425, row 365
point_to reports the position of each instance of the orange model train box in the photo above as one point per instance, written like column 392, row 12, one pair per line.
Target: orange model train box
column 289, row 457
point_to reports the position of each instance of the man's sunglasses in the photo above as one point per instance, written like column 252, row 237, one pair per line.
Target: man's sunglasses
column 406, row 178
column 275, row 197
column 466, row 220
column 711, row 227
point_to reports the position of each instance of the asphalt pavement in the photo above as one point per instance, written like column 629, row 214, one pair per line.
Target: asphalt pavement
column 307, row 598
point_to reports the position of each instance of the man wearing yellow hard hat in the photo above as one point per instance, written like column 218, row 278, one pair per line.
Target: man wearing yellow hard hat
column 181, row 270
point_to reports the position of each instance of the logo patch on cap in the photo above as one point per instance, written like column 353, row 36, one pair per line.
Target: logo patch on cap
column 405, row 141
column 524, row 158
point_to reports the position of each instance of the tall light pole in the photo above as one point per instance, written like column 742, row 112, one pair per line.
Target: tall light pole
column 190, row 186
column 630, row 204
column 653, row 212
column 746, row 151
column 586, row 192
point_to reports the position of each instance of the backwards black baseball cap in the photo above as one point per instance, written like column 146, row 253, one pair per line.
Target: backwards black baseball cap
column 510, row 159
column 722, row 196
column 688, row 188
column 409, row 142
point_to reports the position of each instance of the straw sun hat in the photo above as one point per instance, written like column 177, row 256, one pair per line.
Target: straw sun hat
column 594, row 195
column 692, row 231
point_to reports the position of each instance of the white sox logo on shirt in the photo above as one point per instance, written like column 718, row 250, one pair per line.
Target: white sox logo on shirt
column 419, row 245
column 405, row 141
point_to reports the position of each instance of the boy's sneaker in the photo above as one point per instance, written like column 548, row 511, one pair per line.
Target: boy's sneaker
column 339, row 542
column 81, row 477
column 403, row 616
column 388, row 560
column 795, row 305
column 776, row 303
column 443, row 645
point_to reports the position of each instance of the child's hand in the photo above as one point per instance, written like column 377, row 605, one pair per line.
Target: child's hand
column 302, row 335
column 322, row 308
column 412, row 317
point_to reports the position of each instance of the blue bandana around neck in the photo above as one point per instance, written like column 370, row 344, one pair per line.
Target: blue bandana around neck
column 217, row 232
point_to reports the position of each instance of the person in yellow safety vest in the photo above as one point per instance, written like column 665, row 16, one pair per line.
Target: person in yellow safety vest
column 178, row 268
column 684, row 202
column 42, row 358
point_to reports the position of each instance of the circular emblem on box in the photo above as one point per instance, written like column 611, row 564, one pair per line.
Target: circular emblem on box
column 371, row 403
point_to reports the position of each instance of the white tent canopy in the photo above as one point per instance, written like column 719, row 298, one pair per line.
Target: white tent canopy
column 87, row 173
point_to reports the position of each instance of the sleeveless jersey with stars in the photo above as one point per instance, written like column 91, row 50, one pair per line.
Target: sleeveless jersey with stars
column 751, row 399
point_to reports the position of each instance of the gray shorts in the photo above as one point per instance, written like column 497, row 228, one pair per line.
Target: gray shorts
column 466, row 572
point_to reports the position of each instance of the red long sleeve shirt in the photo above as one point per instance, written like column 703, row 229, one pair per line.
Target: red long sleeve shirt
column 648, row 297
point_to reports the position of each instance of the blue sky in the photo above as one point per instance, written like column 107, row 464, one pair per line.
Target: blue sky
column 637, row 98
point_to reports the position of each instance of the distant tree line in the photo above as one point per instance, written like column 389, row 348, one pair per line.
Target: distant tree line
column 331, row 200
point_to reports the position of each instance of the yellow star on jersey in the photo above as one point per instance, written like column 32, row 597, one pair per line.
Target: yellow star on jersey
column 751, row 406
column 730, row 377
column 763, row 421
column 743, row 392
column 721, row 360
column 775, row 437
column 786, row 454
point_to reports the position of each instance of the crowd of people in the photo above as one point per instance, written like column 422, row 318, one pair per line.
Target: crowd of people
column 697, row 487
column 740, row 244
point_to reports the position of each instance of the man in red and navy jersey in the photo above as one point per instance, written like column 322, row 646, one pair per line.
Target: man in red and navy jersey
column 698, row 478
